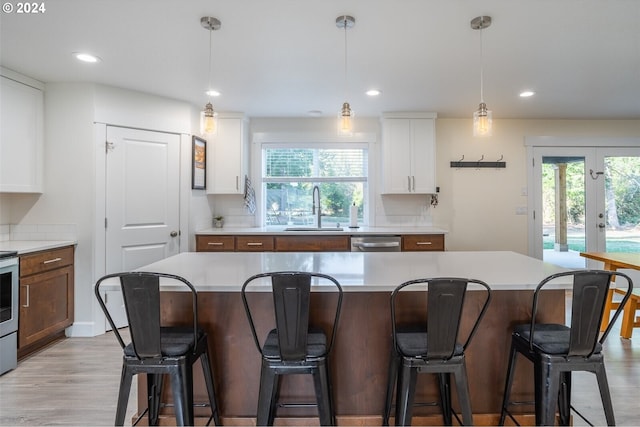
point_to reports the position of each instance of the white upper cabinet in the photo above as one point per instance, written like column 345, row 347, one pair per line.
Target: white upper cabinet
column 21, row 134
column 409, row 153
column 227, row 156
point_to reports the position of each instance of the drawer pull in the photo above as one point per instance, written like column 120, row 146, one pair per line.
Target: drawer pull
column 49, row 261
column 215, row 243
column 254, row 243
column 424, row 243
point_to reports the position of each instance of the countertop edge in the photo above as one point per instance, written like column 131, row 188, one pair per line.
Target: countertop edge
column 24, row 247
column 347, row 231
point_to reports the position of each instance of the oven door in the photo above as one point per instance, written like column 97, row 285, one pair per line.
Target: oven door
column 8, row 296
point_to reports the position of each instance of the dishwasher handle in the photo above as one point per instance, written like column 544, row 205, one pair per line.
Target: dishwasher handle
column 376, row 244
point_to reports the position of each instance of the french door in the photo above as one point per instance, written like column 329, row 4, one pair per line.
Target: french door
column 584, row 199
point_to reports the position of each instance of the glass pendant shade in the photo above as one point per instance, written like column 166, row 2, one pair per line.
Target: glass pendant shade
column 482, row 121
column 208, row 120
column 345, row 120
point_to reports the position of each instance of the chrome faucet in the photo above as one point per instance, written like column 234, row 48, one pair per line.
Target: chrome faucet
column 316, row 190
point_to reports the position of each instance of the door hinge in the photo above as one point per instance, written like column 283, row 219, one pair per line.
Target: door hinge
column 534, row 215
column 108, row 146
column 105, row 223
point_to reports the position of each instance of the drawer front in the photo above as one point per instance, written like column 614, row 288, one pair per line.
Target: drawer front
column 215, row 243
column 423, row 242
column 313, row 244
column 254, row 243
column 40, row 262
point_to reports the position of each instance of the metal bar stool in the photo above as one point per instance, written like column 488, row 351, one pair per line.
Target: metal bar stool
column 556, row 350
column 432, row 347
column 293, row 346
column 156, row 350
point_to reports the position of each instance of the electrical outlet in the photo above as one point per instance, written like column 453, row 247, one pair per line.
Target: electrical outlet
column 524, row 191
column 521, row 210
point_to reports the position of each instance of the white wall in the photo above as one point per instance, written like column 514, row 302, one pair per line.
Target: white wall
column 478, row 206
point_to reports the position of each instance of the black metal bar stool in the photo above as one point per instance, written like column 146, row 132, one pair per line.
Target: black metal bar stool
column 293, row 346
column 157, row 350
column 432, row 347
column 556, row 350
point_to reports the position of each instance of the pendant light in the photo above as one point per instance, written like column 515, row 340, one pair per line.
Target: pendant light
column 208, row 115
column 482, row 118
column 345, row 118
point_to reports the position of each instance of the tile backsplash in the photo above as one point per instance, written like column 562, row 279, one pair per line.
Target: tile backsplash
column 38, row 232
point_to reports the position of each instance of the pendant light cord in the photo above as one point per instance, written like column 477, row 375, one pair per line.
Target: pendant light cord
column 210, row 43
column 481, row 69
column 345, row 60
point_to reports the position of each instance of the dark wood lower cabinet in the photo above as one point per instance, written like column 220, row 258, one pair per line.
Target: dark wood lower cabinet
column 46, row 298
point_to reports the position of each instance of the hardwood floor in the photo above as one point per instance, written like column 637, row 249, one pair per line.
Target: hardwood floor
column 74, row 382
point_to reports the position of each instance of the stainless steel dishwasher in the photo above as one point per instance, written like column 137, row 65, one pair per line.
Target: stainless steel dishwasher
column 388, row 243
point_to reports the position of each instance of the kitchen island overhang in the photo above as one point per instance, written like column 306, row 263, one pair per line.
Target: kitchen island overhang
column 360, row 358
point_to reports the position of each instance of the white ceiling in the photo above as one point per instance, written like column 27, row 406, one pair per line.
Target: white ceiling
column 276, row 58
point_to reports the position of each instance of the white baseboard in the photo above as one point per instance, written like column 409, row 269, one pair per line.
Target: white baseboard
column 84, row 329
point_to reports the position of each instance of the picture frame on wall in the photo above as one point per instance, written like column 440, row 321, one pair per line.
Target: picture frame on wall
column 198, row 163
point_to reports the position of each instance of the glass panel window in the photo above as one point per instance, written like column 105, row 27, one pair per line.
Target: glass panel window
column 290, row 174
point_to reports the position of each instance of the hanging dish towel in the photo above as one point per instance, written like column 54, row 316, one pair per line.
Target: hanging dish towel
column 249, row 195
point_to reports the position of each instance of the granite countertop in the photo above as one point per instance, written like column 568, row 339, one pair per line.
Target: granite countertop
column 359, row 272
column 28, row 246
column 360, row 231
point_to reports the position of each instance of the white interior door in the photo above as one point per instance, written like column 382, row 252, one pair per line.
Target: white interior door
column 142, row 204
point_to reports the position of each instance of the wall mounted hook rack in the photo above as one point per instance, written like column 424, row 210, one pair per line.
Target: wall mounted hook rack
column 481, row 163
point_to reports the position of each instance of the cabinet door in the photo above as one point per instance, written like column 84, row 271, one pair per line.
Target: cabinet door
column 207, row 243
column 225, row 158
column 423, row 161
column 409, row 156
column 21, row 137
column 46, row 304
column 423, row 242
column 396, row 156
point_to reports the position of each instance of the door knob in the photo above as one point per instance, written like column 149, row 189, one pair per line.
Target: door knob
column 601, row 225
column 173, row 234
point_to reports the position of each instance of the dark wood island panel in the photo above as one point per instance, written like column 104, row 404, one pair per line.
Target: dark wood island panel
column 360, row 358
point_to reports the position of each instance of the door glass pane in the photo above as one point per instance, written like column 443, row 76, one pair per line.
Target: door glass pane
column 622, row 204
column 563, row 210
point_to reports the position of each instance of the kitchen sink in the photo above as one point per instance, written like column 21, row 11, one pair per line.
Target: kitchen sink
column 314, row 229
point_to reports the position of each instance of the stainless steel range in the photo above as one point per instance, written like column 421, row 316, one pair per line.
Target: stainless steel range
column 8, row 311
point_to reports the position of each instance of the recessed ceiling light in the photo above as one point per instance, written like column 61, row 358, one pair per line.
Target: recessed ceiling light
column 86, row 57
column 212, row 92
column 527, row 93
column 373, row 92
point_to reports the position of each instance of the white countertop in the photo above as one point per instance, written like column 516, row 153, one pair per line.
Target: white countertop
column 28, row 246
column 279, row 230
column 359, row 272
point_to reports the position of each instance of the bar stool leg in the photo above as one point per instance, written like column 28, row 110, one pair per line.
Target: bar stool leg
column 405, row 394
column 123, row 395
column 394, row 361
column 444, row 382
column 464, row 396
column 323, row 397
column 266, row 395
column 154, row 396
column 508, row 382
column 605, row 395
column 546, row 392
column 211, row 390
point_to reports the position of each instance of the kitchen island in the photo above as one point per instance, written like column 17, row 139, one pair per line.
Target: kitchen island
column 360, row 357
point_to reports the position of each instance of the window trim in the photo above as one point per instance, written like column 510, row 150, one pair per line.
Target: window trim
column 262, row 140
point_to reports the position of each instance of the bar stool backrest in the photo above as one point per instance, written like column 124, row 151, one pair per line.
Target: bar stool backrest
column 291, row 296
column 445, row 302
column 444, row 311
column 590, row 290
column 141, row 294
